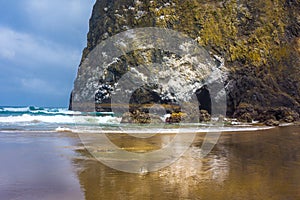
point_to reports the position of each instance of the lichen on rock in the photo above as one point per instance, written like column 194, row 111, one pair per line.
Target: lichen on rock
column 259, row 42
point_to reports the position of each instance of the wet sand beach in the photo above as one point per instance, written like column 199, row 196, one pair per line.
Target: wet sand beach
column 243, row 165
column 37, row 166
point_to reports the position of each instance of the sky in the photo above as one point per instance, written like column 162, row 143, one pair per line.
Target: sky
column 41, row 43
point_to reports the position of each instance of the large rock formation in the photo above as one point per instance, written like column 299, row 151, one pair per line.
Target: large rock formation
column 259, row 42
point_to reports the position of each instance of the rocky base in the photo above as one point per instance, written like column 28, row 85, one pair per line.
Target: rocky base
column 204, row 116
column 139, row 117
column 272, row 122
column 178, row 117
column 245, row 113
column 268, row 116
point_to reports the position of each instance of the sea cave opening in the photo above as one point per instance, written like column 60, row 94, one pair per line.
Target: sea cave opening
column 204, row 99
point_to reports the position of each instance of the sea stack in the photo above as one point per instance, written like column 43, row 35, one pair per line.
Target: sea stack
column 256, row 46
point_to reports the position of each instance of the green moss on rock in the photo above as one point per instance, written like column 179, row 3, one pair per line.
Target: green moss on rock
column 259, row 40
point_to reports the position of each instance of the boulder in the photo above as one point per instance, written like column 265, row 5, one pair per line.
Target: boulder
column 245, row 113
column 271, row 122
column 204, row 116
column 281, row 114
column 140, row 118
column 176, row 117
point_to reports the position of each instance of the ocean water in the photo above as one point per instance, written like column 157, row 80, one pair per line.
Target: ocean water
column 43, row 119
column 32, row 118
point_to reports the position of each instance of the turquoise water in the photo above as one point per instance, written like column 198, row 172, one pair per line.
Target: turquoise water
column 34, row 118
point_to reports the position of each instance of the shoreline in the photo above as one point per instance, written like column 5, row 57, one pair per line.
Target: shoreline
column 201, row 127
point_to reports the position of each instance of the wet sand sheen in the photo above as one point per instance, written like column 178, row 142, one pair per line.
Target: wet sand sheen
column 245, row 165
column 37, row 167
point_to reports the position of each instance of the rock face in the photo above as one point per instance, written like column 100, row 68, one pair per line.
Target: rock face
column 259, row 42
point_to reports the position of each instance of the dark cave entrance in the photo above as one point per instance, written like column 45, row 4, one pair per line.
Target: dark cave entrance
column 142, row 99
column 145, row 97
column 203, row 96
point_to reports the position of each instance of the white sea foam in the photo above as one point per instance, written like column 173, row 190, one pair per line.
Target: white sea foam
column 21, row 109
column 139, row 130
column 60, row 119
column 92, row 120
column 63, row 129
column 68, row 112
column 36, row 119
column 38, row 110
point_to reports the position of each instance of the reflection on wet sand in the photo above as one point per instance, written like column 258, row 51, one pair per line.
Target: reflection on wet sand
column 245, row 165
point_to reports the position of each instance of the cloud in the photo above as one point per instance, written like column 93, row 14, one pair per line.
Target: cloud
column 34, row 66
column 28, row 49
column 53, row 32
column 38, row 86
column 58, row 14
column 40, row 49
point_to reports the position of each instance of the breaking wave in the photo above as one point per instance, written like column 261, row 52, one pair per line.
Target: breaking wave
column 33, row 118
